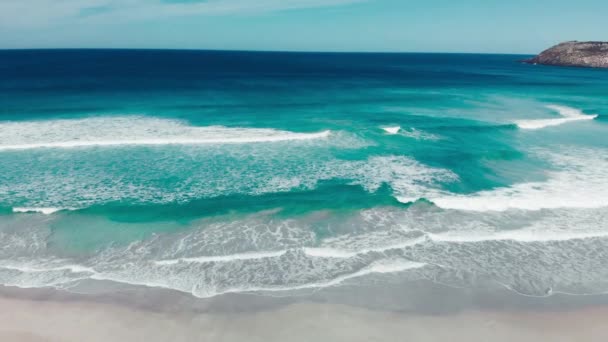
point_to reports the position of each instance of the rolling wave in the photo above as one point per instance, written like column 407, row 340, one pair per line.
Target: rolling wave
column 568, row 115
column 135, row 130
column 579, row 182
column 45, row 211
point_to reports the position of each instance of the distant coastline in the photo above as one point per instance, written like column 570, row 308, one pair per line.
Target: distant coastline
column 574, row 53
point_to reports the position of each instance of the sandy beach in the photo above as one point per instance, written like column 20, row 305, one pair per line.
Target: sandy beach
column 28, row 316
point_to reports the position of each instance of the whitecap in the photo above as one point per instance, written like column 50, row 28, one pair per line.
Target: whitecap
column 45, row 211
column 134, row 130
column 568, row 115
column 392, row 130
column 580, row 182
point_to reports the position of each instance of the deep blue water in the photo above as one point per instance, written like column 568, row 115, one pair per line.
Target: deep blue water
column 211, row 172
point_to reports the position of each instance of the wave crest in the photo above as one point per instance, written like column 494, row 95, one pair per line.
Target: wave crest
column 45, row 211
column 568, row 115
column 135, row 130
column 579, row 182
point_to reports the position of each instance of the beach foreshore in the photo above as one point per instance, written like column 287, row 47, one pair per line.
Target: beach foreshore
column 50, row 315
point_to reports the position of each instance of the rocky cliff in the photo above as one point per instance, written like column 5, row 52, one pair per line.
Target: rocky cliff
column 581, row 54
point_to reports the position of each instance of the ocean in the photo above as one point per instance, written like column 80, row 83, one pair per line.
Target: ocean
column 282, row 174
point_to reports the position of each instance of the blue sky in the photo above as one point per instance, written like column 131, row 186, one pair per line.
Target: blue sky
column 505, row 26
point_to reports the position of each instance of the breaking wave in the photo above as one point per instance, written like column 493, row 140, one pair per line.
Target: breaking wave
column 578, row 182
column 45, row 211
column 392, row 130
column 568, row 115
column 134, row 130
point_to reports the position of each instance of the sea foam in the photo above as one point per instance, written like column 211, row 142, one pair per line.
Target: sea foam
column 202, row 173
column 133, row 130
column 579, row 182
column 568, row 115
column 327, row 252
column 417, row 134
column 45, row 211
column 411, row 132
column 392, row 130
column 40, row 269
column 223, row 258
column 379, row 267
column 521, row 235
column 386, row 241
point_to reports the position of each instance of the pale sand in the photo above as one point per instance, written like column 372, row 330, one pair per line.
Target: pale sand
column 31, row 320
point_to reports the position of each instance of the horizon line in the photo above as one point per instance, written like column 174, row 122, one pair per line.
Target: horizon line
column 266, row 51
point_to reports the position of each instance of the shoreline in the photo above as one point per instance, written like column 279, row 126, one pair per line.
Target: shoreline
column 420, row 296
column 32, row 315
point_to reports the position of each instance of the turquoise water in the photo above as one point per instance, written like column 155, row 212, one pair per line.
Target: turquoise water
column 219, row 172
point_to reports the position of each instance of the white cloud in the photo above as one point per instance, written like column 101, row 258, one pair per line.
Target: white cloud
column 43, row 13
column 40, row 13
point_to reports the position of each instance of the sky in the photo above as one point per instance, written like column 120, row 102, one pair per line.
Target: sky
column 490, row 26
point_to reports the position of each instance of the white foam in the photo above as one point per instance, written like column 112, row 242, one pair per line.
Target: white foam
column 322, row 252
column 568, row 115
column 325, row 266
column 379, row 267
column 136, row 130
column 550, row 225
column 407, row 177
column 325, row 252
column 38, row 269
column 392, row 130
column 277, row 169
column 223, row 258
column 581, row 182
column 406, row 200
column 45, row 211
column 418, row 134
column 211, row 290
column 522, row 235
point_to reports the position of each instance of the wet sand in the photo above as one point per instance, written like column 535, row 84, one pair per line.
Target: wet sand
column 48, row 315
